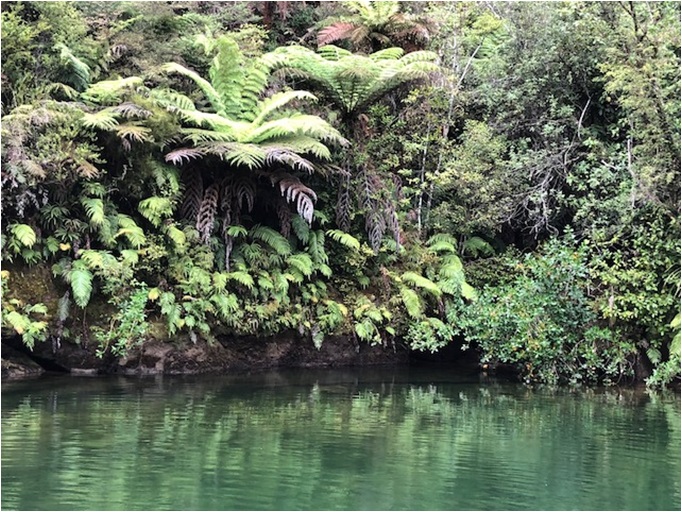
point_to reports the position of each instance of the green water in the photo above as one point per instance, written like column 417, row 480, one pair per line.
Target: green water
column 328, row 440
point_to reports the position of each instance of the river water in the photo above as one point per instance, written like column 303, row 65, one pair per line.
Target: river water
column 370, row 439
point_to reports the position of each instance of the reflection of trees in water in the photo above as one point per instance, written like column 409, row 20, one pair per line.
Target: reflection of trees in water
column 310, row 444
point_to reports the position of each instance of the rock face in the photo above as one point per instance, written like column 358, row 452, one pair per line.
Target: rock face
column 16, row 365
column 247, row 353
column 228, row 354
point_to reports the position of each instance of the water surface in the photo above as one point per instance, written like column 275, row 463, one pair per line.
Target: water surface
column 377, row 439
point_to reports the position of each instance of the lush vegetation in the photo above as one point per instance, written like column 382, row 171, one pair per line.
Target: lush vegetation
column 193, row 170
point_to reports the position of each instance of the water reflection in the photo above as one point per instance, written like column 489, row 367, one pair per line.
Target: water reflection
column 377, row 439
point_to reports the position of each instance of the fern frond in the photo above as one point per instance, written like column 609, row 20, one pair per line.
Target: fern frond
column 133, row 132
column 173, row 101
column 226, row 304
column 94, row 208
column 81, row 283
column 276, row 154
column 243, row 278
column 294, row 191
column 179, row 156
column 413, row 303
column 468, row 291
column 130, row 257
column 421, row 282
column 344, row 239
column 275, row 102
column 331, row 53
column 80, row 71
column 335, row 32
column 209, row 91
column 236, row 231
column 442, row 237
column 316, row 248
column 131, row 110
column 301, row 229
column 442, row 246
column 207, row 212
column 132, row 232
column 96, row 259
column 24, row 233
column 155, row 209
column 272, row 238
column 102, row 120
column 301, row 262
column 110, row 91
column 451, row 267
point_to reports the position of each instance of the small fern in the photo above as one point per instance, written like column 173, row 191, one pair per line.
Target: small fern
column 344, row 239
column 301, row 262
column 155, row 209
column 422, row 282
column 24, row 234
column 272, row 238
column 81, row 278
column 413, row 304
column 243, row 278
column 131, row 231
column 94, row 208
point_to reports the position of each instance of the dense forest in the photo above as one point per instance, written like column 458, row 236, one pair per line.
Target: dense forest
column 500, row 175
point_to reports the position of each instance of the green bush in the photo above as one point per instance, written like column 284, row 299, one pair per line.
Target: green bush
column 543, row 321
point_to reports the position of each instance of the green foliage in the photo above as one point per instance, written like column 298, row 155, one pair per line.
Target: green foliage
column 161, row 188
column 80, row 279
column 352, row 81
column 543, row 323
column 128, row 327
column 345, row 239
column 21, row 318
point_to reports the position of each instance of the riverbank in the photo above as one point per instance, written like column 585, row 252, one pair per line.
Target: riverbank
column 225, row 355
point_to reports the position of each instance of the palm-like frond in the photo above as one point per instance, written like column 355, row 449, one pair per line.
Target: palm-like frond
column 80, row 71
column 227, row 75
column 353, row 81
column 182, row 155
column 110, row 91
column 335, row 32
column 281, row 99
column 134, row 132
column 103, row 120
column 206, row 87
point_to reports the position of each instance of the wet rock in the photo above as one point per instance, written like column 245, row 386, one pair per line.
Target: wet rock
column 16, row 365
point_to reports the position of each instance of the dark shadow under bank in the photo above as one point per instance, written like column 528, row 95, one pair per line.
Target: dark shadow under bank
column 244, row 354
column 228, row 355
